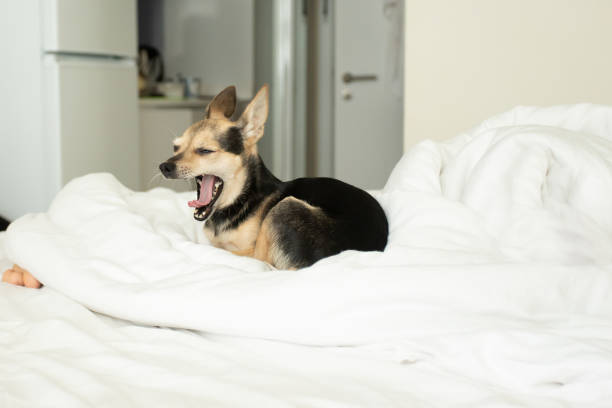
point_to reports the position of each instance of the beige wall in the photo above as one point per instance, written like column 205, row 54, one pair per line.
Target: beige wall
column 467, row 60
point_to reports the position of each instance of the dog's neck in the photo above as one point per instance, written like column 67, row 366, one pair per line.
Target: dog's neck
column 257, row 183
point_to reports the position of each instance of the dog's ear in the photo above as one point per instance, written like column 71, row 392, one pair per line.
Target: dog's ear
column 223, row 105
column 254, row 117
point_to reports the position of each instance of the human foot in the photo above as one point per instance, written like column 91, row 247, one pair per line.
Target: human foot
column 19, row 276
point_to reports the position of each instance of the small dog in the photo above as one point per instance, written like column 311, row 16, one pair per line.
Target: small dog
column 248, row 211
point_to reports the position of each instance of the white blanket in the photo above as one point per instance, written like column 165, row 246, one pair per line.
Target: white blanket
column 498, row 264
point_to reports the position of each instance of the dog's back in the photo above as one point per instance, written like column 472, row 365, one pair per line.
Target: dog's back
column 318, row 217
column 361, row 223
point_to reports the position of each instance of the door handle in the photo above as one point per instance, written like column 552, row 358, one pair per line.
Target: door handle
column 347, row 77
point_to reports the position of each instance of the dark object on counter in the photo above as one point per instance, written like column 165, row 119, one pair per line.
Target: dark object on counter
column 150, row 69
column 4, row 223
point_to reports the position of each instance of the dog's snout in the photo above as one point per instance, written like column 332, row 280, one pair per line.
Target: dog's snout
column 167, row 168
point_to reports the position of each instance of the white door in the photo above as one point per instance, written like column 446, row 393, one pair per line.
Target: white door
column 92, row 111
column 105, row 27
column 368, row 92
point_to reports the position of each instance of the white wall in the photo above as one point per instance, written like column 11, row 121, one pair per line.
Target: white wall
column 467, row 60
column 210, row 39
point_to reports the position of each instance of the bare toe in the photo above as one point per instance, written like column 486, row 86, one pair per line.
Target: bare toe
column 21, row 277
column 12, row 276
column 18, row 268
column 30, row 281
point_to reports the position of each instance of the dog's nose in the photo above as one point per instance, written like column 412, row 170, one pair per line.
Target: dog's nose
column 167, row 168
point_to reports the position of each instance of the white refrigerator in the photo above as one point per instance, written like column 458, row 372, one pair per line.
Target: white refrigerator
column 69, row 98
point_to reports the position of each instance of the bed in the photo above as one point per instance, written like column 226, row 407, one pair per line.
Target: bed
column 495, row 290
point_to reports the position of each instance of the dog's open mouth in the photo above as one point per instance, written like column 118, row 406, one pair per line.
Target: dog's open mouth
column 209, row 188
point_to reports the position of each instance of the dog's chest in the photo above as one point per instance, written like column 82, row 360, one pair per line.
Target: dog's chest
column 239, row 240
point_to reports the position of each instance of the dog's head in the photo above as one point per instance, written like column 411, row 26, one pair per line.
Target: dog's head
column 215, row 150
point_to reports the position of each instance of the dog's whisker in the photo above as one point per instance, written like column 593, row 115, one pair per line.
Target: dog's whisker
column 157, row 175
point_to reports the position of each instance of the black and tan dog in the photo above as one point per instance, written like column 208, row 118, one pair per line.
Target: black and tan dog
column 250, row 212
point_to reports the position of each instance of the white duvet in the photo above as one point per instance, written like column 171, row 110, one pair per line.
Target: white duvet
column 495, row 288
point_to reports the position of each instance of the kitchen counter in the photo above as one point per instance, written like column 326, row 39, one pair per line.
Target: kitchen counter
column 161, row 102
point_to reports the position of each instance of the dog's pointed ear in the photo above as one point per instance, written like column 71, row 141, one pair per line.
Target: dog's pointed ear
column 223, row 105
column 254, row 117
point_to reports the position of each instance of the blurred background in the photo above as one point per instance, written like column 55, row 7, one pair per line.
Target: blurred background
column 105, row 85
column 328, row 64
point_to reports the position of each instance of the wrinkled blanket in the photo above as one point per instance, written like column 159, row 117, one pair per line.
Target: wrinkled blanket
column 498, row 262
column 493, row 222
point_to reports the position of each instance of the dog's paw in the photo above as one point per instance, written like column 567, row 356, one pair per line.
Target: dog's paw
column 20, row 277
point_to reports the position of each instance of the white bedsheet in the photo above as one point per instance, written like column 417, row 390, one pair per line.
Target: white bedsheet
column 495, row 288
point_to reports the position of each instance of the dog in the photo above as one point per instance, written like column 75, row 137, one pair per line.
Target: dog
column 248, row 211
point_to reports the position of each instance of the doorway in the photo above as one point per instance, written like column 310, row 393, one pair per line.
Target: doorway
column 336, row 72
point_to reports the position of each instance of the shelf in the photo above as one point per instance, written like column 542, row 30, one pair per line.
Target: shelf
column 169, row 103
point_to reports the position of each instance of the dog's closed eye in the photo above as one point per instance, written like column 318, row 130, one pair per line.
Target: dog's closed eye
column 203, row 151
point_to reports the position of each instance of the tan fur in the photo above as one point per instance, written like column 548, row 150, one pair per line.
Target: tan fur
column 291, row 199
column 241, row 239
column 263, row 243
column 204, row 134
column 254, row 117
column 246, row 252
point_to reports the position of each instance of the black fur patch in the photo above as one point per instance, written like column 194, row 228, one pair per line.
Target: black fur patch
column 231, row 141
column 260, row 184
column 351, row 219
column 304, row 235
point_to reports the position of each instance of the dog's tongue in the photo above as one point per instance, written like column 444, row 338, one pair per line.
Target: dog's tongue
column 206, row 192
